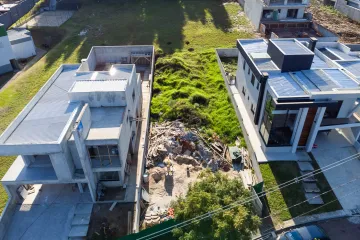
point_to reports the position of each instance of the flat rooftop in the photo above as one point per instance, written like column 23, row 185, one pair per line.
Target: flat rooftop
column 16, row 34
column 47, row 119
column 324, row 74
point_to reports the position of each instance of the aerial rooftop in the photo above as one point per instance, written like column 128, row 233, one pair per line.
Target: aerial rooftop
column 333, row 66
column 48, row 117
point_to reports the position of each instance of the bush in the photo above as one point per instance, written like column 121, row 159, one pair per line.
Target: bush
column 200, row 99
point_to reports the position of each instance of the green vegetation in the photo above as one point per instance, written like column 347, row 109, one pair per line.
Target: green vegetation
column 331, row 10
column 28, row 15
column 275, row 173
column 174, row 28
column 212, row 192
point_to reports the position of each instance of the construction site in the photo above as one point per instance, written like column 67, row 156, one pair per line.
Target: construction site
column 176, row 156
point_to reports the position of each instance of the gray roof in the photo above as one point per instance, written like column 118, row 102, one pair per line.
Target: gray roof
column 284, row 85
column 18, row 35
column 291, row 47
column 352, row 66
column 48, row 117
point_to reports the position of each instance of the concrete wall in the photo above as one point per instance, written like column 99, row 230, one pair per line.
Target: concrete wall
column 17, row 12
column 7, row 213
column 253, row 10
column 351, row 12
column 233, row 53
column 24, row 49
column 100, row 98
column 6, row 54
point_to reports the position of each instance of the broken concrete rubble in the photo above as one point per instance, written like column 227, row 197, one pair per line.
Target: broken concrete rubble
column 172, row 140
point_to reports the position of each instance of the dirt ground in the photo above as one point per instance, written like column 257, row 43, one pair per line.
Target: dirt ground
column 169, row 188
column 348, row 30
column 116, row 221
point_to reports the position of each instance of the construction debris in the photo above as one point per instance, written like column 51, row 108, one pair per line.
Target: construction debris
column 171, row 141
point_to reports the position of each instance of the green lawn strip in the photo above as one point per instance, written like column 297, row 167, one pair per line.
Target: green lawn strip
column 189, row 30
column 276, row 173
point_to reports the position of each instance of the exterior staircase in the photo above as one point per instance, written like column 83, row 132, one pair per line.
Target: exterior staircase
column 80, row 221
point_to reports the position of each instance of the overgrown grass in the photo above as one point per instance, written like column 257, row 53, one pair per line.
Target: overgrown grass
column 28, row 15
column 331, row 10
column 275, row 173
column 194, row 91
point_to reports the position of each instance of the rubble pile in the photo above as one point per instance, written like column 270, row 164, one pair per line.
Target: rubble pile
column 171, row 141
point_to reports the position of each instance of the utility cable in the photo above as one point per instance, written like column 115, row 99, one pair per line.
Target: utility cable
column 346, row 195
column 336, row 187
column 249, row 199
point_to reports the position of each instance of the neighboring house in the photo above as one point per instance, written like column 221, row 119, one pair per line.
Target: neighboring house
column 14, row 44
column 81, row 126
column 288, row 91
column 350, row 8
column 275, row 11
column 22, row 43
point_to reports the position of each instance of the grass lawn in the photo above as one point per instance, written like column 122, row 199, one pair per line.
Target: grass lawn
column 185, row 34
column 275, row 173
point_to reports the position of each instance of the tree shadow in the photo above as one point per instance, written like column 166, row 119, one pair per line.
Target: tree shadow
column 139, row 22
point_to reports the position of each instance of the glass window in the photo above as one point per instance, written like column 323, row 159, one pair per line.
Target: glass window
column 249, row 71
column 257, row 85
column 277, row 127
column 244, row 64
column 253, row 79
column 243, row 91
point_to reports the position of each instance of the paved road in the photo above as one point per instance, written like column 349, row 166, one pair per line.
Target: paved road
column 339, row 229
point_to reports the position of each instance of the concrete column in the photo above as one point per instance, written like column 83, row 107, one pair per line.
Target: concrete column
column 303, row 113
column 300, row 14
column 80, row 186
column 63, row 170
column 85, row 161
column 314, row 129
column 28, row 159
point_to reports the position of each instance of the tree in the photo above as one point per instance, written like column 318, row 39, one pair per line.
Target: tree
column 212, row 192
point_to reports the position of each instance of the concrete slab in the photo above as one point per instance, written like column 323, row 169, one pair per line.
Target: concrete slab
column 331, row 149
column 84, row 208
column 309, row 176
column 33, row 222
column 314, row 199
column 79, row 231
column 81, row 219
column 311, row 187
column 305, row 166
column 47, row 213
column 49, row 19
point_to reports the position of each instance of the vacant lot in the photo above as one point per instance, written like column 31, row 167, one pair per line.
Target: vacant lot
column 337, row 22
column 182, row 31
column 275, row 173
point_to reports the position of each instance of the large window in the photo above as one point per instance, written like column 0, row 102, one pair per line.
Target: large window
column 277, row 127
column 103, row 156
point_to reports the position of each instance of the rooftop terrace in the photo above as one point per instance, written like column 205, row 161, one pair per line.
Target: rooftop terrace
column 326, row 72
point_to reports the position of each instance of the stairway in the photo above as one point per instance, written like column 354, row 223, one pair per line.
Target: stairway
column 80, row 221
column 309, row 183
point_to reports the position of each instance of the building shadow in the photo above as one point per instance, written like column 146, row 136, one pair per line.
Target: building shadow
column 169, row 184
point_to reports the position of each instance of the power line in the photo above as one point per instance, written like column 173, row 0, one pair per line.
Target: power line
column 336, row 187
column 336, row 199
column 288, row 183
column 249, row 199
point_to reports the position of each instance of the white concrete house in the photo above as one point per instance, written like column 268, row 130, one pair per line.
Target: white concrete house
column 288, row 91
column 351, row 8
column 81, row 126
column 275, row 11
column 14, row 44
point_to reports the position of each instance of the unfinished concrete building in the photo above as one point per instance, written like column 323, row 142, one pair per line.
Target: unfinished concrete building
column 79, row 129
column 351, row 8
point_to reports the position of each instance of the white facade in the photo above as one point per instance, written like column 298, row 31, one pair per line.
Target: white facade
column 24, row 49
column 288, row 103
column 275, row 10
column 351, row 8
column 6, row 52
